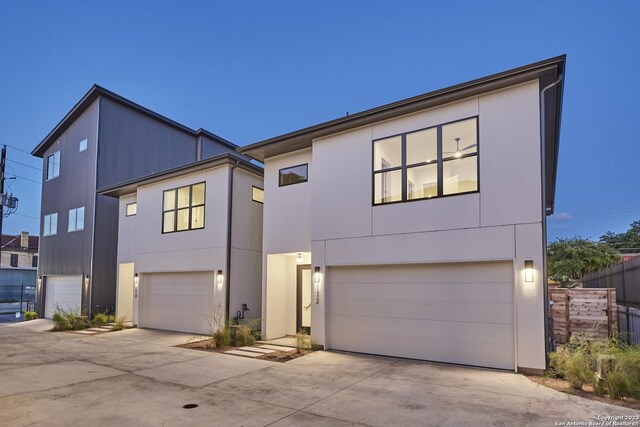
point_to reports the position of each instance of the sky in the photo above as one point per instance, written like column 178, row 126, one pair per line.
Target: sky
column 250, row 70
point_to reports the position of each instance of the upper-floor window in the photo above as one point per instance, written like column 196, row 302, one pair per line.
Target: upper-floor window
column 132, row 209
column 14, row 260
column 293, row 175
column 53, row 165
column 34, row 261
column 76, row 219
column 50, row 224
column 83, row 145
column 183, row 208
column 257, row 195
column 434, row 162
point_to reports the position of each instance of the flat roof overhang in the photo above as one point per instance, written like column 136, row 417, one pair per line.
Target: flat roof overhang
column 211, row 162
column 546, row 72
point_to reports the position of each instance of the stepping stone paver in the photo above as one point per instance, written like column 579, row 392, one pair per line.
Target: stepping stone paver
column 257, row 350
column 96, row 330
column 277, row 347
column 85, row 332
column 242, row 353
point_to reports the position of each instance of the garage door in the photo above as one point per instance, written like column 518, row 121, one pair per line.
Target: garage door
column 454, row 313
column 176, row 301
column 64, row 292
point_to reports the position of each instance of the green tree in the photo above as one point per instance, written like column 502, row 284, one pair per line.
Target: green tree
column 627, row 242
column 571, row 259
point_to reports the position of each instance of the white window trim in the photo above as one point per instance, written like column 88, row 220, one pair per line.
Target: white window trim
column 75, row 225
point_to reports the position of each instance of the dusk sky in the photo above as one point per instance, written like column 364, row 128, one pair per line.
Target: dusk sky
column 248, row 71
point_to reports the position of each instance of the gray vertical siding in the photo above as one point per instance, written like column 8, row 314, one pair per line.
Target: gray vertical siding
column 133, row 145
column 210, row 148
column 105, row 251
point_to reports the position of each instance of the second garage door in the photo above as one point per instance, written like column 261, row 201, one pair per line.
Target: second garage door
column 64, row 292
column 176, row 301
column 454, row 313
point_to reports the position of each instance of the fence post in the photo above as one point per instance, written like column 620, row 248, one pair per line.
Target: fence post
column 566, row 313
column 624, row 298
column 21, row 297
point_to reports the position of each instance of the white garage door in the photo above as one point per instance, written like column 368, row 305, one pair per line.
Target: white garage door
column 176, row 301
column 455, row 313
column 64, row 292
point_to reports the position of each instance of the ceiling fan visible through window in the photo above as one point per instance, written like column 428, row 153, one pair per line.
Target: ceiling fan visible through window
column 459, row 151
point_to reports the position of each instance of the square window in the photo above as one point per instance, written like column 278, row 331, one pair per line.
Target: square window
column 387, row 153
column 293, row 175
column 422, row 182
column 183, row 208
column 132, row 209
column 257, row 195
column 460, row 175
column 388, row 186
column 83, row 145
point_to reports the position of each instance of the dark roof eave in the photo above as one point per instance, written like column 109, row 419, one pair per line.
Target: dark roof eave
column 94, row 93
column 302, row 138
column 219, row 160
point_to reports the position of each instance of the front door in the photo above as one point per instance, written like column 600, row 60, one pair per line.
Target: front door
column 303, row 299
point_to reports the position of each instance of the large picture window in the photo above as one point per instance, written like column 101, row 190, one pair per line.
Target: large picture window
column 53, row 165
column 428, row 163
column 183, row 208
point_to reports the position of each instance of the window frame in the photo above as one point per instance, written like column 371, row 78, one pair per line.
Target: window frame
column 306, row 165
column 44, row 225
column 253, row 187
column 70, row 230
column 189, row 208
column 439, row 162
column 48, row 166
column 11, row 260
column 126, row 209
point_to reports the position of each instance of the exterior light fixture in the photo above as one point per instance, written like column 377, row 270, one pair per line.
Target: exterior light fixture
column 86, row 280
column 39, row 281
column 220, row 278
column 299, row 258
column 316, row 281
column 528, row 271
column 136, row 281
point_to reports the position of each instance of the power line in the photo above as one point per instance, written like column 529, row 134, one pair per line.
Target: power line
column 16, row 148
column 24, row 164
column 27, row 216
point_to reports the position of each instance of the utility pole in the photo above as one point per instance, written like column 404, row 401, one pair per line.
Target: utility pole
column 3, row 159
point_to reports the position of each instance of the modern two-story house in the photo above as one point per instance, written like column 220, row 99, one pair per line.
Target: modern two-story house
column 104, row 141
column 190, row 245
column 417, row 229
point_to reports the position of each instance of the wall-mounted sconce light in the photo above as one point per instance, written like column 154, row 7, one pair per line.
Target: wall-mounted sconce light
column 528, row 270
column 86, row 280
column 299, row 258
column 136, row 281
column 219, row 279
column 316, row 281
column 39, row 281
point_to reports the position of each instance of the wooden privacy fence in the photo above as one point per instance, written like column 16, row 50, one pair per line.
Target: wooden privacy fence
column 582, row 310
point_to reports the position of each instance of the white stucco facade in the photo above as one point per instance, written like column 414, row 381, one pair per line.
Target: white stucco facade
column 331, row 218
column 192, row 257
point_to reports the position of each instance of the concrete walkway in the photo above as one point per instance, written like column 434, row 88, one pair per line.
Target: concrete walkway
column 135, row 377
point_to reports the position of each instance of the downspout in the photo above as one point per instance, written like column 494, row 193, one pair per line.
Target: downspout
column 543, row 164
column 229, row 224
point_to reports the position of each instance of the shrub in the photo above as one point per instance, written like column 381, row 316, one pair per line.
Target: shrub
column 118, row 323
column 100, row 319
column 244, row 336
column 303, row 342
column 616, row 363
column 219, row 327
column 64, row 320
column 30, row 315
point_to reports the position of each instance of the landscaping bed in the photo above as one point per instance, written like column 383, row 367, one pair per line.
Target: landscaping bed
column 208, row 344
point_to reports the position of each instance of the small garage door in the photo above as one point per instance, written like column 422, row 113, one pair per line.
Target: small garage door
column 176, row 301
column 454, row 313
column 64, row 292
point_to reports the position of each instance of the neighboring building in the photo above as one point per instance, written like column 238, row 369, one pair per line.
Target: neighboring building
column 629, row 257
column 417, row 229
column 104, row 141
column 19, row 266
column 20, row 251
column 190, row 243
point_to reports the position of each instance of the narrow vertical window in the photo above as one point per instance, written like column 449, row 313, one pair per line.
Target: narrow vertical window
column 50, row 224
column 53, row 165
column 14, row 260
column 257, row 194
column 76, row 219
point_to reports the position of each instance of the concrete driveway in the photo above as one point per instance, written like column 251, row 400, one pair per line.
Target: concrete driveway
column 136, row 378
